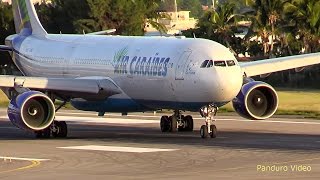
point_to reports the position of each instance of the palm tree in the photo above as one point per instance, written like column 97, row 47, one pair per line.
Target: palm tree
column 151, row 15
column 305, row 14
column 268, row 14
column 220, row 23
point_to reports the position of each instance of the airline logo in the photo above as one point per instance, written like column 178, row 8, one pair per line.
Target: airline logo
column 21, row 14
column 140, row 65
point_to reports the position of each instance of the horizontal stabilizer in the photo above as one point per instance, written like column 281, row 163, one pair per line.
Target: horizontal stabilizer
column 5, row 48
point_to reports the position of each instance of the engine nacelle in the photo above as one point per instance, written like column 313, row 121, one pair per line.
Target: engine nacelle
column 256, row 100
column 31, row 111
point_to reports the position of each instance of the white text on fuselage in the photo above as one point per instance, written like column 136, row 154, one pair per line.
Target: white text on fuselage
column 143, row 66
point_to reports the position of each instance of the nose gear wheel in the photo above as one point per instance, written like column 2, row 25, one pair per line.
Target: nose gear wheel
column 208, row 112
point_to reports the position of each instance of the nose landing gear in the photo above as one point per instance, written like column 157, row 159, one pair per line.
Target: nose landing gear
column 208, row 112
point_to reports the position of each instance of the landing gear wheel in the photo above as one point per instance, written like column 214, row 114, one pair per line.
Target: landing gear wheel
column 174, row 123
column 46, row 133
column 38, row 134
column 187, row 124
column 165, row 124
column 61, row 129
column 189, row 121
column 208, row 112
column 214, row 131
column 204, row 131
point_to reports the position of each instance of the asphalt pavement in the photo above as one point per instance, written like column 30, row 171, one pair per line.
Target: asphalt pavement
column 132, row 147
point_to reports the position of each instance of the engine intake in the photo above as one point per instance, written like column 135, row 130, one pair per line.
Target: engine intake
column 31, row 111
column 256, row 100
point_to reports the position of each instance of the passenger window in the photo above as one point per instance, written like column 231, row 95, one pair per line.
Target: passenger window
column 210, row 64
column 204, row 64
column 220, row 63
column 231, row 63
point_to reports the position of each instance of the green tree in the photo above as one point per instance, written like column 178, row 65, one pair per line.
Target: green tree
column 194, row 6
column 128, row 17
column 268, row 14
column 6, row 29
column 220, row 24
column 305, row 16
column 61, row 16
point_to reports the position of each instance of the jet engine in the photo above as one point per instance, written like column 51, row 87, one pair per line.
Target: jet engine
column 31, row 111
column 256, row 100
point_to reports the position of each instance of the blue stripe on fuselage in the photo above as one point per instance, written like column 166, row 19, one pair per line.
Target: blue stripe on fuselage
column 129, row 105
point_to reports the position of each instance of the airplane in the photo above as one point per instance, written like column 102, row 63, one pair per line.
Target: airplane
column 126, row 74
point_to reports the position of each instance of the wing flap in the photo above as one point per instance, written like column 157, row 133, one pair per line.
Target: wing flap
column 279, row 64
column 101, row 88
column 109, row 31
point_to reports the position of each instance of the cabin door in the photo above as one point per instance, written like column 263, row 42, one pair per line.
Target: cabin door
column 182, row 65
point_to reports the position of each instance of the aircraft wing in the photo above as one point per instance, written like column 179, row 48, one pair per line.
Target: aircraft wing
column 87, row 88
column 268, row 66
column 5, row 48
column 109, row 31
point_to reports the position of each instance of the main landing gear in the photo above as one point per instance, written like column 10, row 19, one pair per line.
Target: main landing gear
column 58, row 129
column 176, row 122
column 208, row 112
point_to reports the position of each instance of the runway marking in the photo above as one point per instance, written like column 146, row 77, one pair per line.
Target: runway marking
column 105, row 120
column 32, row 165
column 271, row 121
column 22, row 159
column 146, row 121
column 139, row 121
column 118, row 149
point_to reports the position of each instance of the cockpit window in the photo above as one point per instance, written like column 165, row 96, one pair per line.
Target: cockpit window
column 210, row 64
column 231, row 63
column 220, row 63
column 204, row 64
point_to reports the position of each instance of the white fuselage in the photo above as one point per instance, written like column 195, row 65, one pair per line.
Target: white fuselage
column 146, row 69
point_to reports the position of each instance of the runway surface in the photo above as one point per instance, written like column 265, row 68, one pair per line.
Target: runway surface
column 132, row 147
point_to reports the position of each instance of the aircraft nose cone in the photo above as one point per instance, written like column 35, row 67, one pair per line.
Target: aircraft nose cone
column 230, row 83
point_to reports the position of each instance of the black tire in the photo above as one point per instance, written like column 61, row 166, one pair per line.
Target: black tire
column 44, row 134
column 165, row 124
column 189, row 121
column 204, row 131
column 214, row 131
column 62, row 131
column 38, row 134
column 173, row 122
